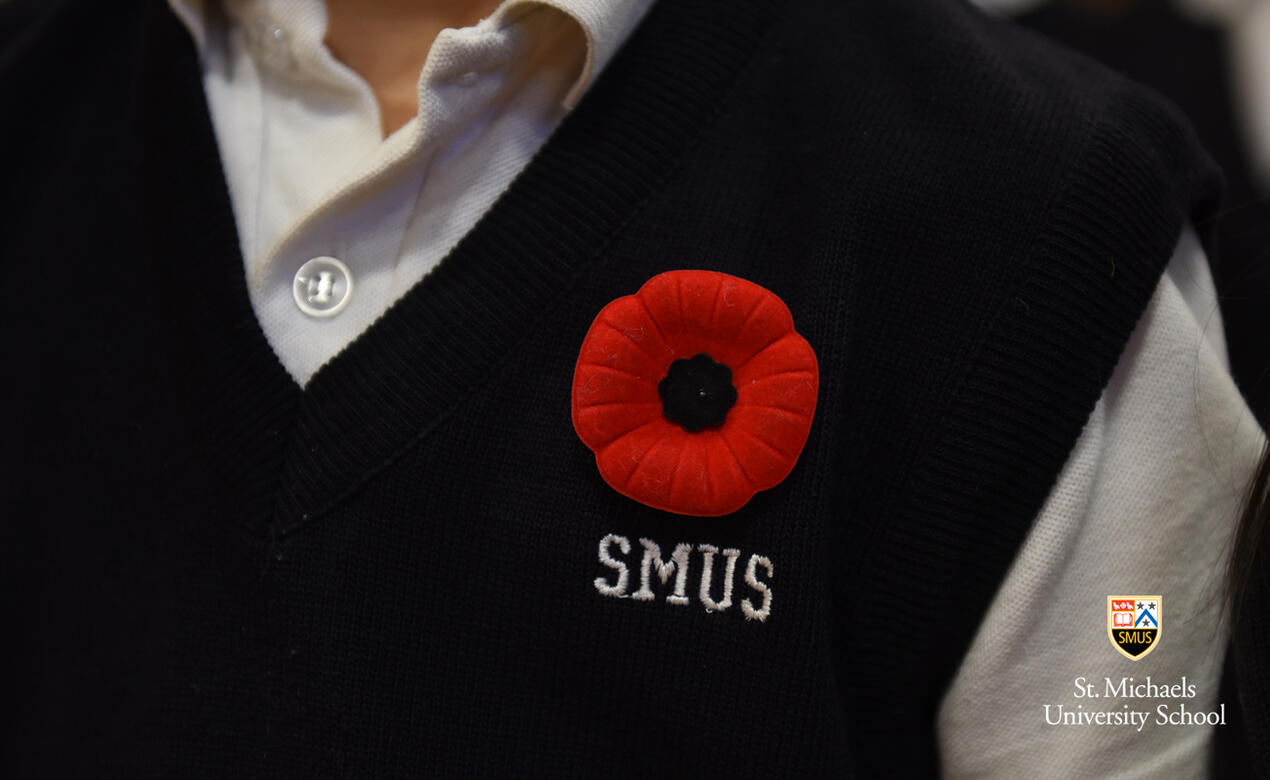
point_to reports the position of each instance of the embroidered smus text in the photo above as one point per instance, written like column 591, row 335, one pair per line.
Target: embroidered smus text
column 715, row 579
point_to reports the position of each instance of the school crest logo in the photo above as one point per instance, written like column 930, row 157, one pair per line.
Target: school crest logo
column 1134, row 624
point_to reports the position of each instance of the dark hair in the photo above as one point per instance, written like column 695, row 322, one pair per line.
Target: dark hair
column 1250, row 555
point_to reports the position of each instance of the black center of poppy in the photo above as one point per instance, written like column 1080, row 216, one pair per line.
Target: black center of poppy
column 697, row 393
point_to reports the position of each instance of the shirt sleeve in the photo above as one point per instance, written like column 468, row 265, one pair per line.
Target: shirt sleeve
column 1145, row 505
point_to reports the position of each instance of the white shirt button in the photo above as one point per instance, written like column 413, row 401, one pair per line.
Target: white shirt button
column 323, row 287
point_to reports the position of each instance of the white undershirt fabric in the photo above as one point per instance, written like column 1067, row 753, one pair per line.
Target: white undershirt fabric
column 311, row 176
column 1146, row 504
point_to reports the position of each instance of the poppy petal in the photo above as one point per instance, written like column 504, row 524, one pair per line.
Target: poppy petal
column 630, row 318
column 610, row 421
column 660, row 297
column 610, row 348
column 789, row 354
column 767, row 324
column 793, row 393
column 739, row 300
column 619, row 459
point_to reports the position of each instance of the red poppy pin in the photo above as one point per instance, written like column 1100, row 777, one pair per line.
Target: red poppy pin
column 695, row 393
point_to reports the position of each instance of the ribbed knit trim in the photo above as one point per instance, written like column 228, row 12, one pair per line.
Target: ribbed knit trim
column 1005, row 435
column 440, row 341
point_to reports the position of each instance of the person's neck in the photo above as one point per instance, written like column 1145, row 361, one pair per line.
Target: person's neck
column 387, row 42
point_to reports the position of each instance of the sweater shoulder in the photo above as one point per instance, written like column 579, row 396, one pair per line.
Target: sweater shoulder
column 952, row 62
column 977, row 103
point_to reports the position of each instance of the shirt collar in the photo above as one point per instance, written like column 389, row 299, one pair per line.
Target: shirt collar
column 606, row 24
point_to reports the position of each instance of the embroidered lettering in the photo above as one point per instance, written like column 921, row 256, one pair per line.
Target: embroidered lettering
column 677, row 565
column 707, row 572
column 617, row 590
column 751, row 579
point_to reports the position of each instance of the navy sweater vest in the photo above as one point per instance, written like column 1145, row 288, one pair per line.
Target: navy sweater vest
column 210, row 571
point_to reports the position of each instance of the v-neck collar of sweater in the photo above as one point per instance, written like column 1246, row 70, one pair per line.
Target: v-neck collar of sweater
column 289, row 454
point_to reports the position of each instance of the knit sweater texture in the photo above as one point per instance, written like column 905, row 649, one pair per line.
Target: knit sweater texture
column 208, row 571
